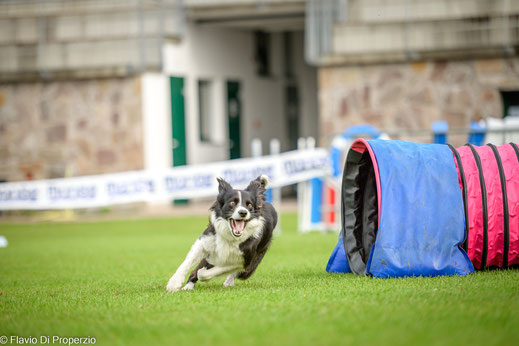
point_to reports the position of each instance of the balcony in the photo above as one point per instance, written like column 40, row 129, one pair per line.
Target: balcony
column 58, row 38
column 359, row 31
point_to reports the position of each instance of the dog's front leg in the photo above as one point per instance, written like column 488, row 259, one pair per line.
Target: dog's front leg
column 195, row 255
column 207, row 274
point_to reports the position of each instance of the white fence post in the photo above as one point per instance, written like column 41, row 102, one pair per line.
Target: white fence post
column 256, row 147
column 275, row 149
column 310, row 143
column 303, row 204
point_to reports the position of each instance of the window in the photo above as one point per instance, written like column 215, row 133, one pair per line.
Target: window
column 510, row 100
column 205, row 110
column 287, row 55
column 262, row 53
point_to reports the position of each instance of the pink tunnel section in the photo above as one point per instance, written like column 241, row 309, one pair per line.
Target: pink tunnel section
column 511, row 170
column 495, row 208
column 474, row 206
column 361, row 145
column 496, row 225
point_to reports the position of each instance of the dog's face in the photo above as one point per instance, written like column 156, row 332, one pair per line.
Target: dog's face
column 239, row 207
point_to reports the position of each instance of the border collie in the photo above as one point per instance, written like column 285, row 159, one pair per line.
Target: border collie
column 237, row 238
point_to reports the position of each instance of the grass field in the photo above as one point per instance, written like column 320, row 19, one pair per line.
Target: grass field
column 107, row 280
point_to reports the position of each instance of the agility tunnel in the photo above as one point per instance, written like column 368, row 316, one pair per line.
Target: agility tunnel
column 411, row 209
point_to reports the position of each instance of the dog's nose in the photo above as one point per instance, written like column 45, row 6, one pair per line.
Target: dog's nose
column 243, row 213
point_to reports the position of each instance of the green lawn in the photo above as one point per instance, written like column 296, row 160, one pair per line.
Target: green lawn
column 107, row 280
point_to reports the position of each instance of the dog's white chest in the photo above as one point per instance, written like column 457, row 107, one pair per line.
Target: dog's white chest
column 223, row 252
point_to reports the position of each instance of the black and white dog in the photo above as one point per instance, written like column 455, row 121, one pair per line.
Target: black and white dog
column 237, row 238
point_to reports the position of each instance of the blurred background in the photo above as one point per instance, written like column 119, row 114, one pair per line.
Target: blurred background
column 91, row 86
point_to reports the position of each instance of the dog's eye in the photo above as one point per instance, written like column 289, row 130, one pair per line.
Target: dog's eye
column 249, row 205
column 231, row 203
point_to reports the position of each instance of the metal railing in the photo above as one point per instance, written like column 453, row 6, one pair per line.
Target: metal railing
column 408, row 30
column 45, row 39
column 320, row 18
column 457, row 136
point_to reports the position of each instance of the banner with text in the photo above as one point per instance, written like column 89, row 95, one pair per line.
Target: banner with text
column 155, row 186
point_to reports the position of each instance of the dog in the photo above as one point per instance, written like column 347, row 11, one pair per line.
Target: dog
column 235, row 241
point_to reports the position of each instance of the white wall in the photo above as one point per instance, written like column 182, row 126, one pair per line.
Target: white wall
column 219, row 55
column 156, row 121
column 307, row 80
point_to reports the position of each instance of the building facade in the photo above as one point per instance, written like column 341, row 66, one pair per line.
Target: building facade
column 401, row 65
column 90, row 87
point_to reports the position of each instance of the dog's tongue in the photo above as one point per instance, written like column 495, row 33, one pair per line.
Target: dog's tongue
column 239, row 225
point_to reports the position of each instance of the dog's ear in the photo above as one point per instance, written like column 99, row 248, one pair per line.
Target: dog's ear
column 223, row 186
column 264, row 180
column 258, row 187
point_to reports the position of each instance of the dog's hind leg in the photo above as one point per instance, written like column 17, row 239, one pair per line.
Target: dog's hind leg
column 193, row 278
column 207, row 274
column 229, row 282
column 195, row 255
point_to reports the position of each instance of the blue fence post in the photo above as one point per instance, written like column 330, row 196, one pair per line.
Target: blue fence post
column 476, row 134
column 269, row 196
column 440, row 129
column 316, row 218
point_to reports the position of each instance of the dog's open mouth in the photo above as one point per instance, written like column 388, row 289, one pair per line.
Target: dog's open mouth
column 237, row 227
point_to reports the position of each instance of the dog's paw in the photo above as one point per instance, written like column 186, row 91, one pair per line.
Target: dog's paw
column 189, row 286
column 174, row 284
column 202, row 274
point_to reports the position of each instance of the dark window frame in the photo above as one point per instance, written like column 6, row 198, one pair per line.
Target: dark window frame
column 204, row 138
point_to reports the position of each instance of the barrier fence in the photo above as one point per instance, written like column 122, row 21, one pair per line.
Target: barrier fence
column 185, row 182
column 317, row 171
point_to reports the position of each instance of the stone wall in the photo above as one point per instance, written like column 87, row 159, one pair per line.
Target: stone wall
column 82, row 127
column 413, row 95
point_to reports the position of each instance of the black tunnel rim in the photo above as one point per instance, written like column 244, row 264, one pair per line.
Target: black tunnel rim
column 484, row 206
column 516, row 149
column 355, row 237
column 464, row 194
column 506, row 213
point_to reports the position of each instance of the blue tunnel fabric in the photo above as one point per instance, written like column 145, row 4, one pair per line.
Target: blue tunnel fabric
column 422, row 221
column 338, row 262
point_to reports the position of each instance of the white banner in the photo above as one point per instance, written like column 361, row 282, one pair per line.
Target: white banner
column 155, row 186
